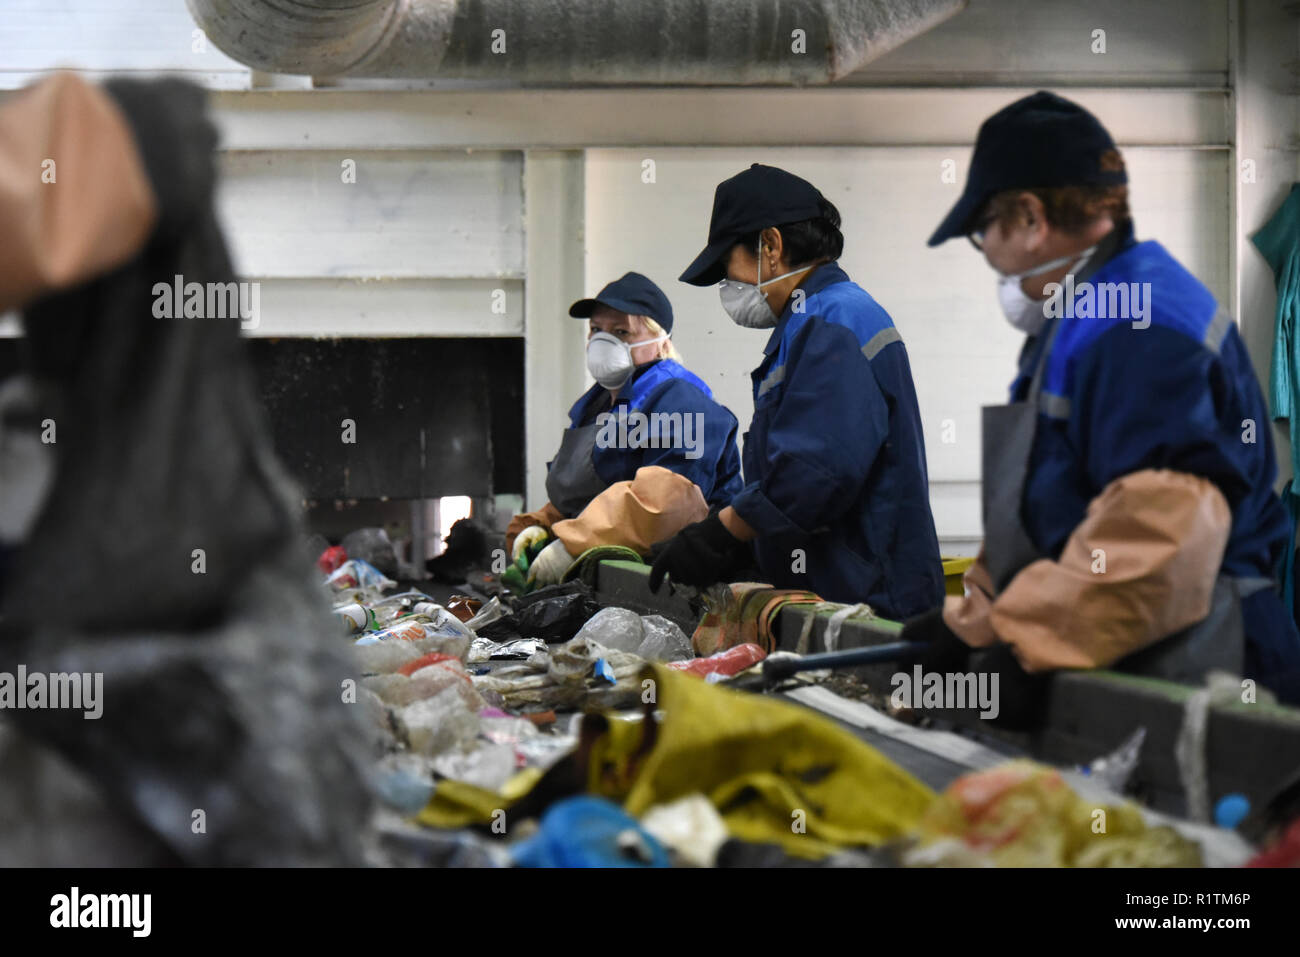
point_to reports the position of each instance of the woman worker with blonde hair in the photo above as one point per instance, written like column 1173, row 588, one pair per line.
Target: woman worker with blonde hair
column 647, row 451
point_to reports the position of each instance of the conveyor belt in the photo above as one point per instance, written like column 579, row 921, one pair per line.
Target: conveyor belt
column 1250, row 748
column 935, row 757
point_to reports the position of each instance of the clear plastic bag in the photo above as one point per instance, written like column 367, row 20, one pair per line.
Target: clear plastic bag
column 376, row 656
column 440, row 723
column 663, row 641
column 373, row 546
column 613, row 628
column 486, row 615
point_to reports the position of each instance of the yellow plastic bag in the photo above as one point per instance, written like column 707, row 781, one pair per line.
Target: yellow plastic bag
column 776, row 772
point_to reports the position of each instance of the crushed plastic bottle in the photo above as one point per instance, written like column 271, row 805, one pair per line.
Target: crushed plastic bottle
column 355, row 618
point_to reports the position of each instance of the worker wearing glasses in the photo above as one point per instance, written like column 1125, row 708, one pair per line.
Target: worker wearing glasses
column 1129, row 513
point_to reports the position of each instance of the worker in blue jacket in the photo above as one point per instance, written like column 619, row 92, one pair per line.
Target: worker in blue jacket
column 1130, row 519
column 836, row 496
column 648, row 449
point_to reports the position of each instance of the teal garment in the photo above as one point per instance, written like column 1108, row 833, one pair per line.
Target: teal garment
column 1292, row 502
column 1279, row 244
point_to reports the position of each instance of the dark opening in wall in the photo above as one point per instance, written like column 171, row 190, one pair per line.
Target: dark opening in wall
column 432, row 417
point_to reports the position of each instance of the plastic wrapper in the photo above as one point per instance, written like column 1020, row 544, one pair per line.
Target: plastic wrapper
column 485, row 649
column 410, row 629
column 417, row 627
column 358, row 578
column 725, row 663
column 663, row 641
column 444, row 622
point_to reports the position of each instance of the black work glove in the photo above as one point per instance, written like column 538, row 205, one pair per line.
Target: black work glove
column 698, row 555
column 1022, row 697
column 942, row 650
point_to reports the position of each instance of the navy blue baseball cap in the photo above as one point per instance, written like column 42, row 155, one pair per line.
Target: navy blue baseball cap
column 632, row 293
column 1040, row 141
column 754, row 199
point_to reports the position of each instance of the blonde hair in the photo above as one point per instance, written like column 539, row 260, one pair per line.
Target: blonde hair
column 666, row 348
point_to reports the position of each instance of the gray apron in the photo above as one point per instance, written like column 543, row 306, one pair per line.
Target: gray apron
column 1007, row 440
column 1217, row 641
column 571, row 481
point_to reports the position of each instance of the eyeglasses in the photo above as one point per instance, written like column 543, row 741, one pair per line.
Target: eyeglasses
column 976, row 235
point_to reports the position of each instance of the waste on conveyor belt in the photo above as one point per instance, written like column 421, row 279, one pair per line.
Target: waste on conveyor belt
column 540, row 728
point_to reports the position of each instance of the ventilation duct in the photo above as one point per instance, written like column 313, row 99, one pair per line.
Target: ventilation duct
column 704, row 42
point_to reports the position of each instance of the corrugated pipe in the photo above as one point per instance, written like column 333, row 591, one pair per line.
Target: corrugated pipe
column 568, row 41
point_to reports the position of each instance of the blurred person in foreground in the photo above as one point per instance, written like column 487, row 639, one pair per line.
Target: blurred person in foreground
column 152, row 542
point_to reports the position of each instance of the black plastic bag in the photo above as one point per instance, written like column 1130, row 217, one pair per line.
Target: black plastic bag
column 555, row 613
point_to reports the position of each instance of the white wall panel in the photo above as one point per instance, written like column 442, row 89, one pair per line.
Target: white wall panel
column 408, row 215
column 571, row 119
column 390, row 307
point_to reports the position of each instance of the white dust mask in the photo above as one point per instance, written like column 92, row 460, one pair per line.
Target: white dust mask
column 745, row 302
column 609, row 359
column 1026, row 314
